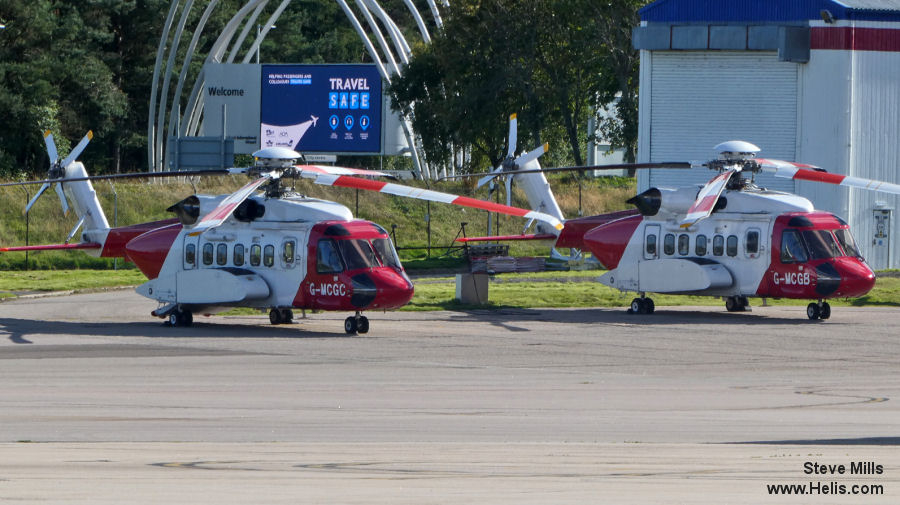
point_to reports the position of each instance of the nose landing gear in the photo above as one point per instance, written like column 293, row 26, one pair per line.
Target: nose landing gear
column 820, row 310
column 356, row 324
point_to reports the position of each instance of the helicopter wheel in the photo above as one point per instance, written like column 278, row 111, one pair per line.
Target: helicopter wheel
column 642, row 306
column 351, row 326
column 813, row 312
column 275, row 316
column 825, row 311
column 362, row 324
column 736, row 303
column 180, row 317
column 287, row 316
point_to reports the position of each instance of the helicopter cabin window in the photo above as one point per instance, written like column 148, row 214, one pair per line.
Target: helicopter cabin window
column 821, row 244
column 221, row 254
column 328, row 260
column 732, row 245
column 255, row 255
column 792, row 249
column 684, row 244
column 238, row 257
column 357, row 254
column 207, row 254
column 700, row 246
column 269, row 255
column 669, row 244
column 847, row 243
column 386, row 252
column 718, row 245
column 752, row 243
column 287, row 253
column 651, row 246
column 190, row 254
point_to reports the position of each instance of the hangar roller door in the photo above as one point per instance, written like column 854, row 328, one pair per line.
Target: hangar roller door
column 700, row 99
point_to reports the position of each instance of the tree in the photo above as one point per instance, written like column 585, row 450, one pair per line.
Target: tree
column 547, row 59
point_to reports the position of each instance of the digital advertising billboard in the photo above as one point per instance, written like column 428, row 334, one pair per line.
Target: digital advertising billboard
column 321, row 108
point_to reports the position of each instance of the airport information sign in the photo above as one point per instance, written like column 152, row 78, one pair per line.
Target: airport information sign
column 321, row 108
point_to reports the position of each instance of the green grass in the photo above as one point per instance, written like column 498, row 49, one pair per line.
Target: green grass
column 532, row 290
column 64, row 280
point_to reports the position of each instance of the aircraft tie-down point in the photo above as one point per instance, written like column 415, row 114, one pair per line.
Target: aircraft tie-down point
column 728, row 238
column 262, row 246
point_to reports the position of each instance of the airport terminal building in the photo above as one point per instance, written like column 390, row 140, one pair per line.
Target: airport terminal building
column 814, row 81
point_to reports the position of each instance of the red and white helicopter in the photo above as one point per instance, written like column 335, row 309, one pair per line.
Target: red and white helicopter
column 275, row 250
column 728, row 238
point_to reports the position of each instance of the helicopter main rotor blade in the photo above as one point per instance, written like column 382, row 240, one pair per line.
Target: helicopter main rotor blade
column 707, row 198
column 617, row 166
column 136, row 175
column 800, row 171
column 324, row 169
column 427, row 194
column 222, row 211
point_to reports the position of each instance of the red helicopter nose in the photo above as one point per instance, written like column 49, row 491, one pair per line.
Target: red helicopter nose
column 856, row 278
column 393, row 288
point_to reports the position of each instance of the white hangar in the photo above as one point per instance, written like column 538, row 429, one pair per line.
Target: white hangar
column 814, row 81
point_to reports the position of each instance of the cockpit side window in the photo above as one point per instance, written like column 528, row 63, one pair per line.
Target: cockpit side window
column 792, row 249
column 386, row 252
column 357, row 254
column 847, row 243
column 328, row 259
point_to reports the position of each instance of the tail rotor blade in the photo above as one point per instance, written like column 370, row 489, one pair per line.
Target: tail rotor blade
column 51, row 147
column 532, row 155
column 62, row 199
column 77, row 150
column 513, row 136
column 488, row 178
column 36, row 196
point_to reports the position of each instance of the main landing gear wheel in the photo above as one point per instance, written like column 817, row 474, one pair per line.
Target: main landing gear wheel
column 821, row 310
column 356, row 324
column 281, row 316
column 180, row 317
column 736, row 303
column 642, row 306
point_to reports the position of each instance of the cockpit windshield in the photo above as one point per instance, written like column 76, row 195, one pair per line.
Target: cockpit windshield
column 357, row 254
column 821, row 244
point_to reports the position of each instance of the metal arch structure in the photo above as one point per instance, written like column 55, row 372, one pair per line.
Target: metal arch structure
column 169, row 116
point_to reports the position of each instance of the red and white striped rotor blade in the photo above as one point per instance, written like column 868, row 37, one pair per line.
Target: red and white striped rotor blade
column 706, row 199
column 222, row 211
column 802, row 172
column 325, row 169
column 427, row 194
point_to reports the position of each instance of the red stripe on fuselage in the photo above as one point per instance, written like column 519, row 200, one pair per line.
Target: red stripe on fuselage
column 608, row 242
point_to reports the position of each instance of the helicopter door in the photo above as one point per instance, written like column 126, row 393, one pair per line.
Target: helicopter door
column 651, row 242
column 190, row 252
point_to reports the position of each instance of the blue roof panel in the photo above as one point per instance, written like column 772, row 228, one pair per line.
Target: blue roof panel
column 767, row 11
